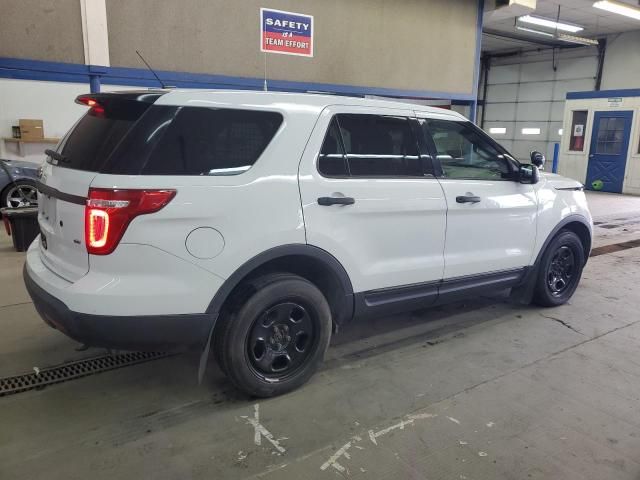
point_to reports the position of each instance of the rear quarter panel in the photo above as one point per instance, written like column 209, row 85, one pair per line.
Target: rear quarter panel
column 253, row 212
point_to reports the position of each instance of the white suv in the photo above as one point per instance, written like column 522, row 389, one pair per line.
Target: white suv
column 257, row 223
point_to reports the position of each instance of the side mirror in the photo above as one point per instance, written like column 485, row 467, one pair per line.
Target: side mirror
column 528, row 174
column 538, row 159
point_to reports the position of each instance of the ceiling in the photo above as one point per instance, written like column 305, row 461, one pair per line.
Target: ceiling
column 501, row 34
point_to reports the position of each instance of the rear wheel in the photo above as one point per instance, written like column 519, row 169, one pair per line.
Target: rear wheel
column 21, row 193
column 560, row 270
column 277, row 339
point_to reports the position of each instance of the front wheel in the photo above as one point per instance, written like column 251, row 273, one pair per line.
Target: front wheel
column 560, row 270
column 277, row 339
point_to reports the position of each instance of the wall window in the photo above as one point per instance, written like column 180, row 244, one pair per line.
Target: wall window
column 578, row 128
column 610, row 136
column 464, row 153
column 374, row 146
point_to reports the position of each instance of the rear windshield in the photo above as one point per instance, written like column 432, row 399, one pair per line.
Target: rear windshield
column 97, row 134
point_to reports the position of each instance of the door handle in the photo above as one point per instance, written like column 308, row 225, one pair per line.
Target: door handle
column 327, row 201
column 467, row 199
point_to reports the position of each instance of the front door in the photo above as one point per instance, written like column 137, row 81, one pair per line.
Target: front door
column 608, row 151
column 369, row 200
column 491, row 219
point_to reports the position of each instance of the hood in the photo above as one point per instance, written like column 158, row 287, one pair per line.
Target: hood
column 21, row 168
column 559, row 182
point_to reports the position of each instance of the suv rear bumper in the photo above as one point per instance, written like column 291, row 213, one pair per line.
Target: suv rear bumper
column 143, row 332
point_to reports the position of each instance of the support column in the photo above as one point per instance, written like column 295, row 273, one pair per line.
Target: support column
column 95, row 37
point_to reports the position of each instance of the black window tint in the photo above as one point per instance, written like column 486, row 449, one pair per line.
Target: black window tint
column 206, row 141
column 331, row 161
column 379, row 146
column 464, row 152
column 97, row 134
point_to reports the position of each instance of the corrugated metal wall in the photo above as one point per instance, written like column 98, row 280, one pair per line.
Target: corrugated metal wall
column 526, row 91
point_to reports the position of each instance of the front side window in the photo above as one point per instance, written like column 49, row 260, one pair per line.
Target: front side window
column 464, row 153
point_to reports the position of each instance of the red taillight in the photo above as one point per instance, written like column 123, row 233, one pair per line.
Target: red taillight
column 109, row 212
column 92, row 103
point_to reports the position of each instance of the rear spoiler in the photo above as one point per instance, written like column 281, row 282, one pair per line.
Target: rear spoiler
column 144, row 96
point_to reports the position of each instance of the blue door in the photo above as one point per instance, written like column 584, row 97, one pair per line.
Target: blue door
column 608, row 151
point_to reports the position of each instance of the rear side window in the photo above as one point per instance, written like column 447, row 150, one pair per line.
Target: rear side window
column 98, row 133
column 207, row 141
column 373, row 146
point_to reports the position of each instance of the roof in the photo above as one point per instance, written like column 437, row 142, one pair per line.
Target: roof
column 286, row 100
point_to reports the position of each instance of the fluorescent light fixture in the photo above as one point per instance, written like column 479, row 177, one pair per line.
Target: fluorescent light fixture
column 531, row 131
column 545, row 22
column 575, row 39
column 560, row 131
column 531, row 30
column 498, row 130
column 619, row 8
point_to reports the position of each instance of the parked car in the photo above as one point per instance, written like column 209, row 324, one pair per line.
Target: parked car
column 18, row 184
column 256, row 223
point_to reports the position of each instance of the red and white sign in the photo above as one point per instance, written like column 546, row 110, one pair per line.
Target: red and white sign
column 286, row 32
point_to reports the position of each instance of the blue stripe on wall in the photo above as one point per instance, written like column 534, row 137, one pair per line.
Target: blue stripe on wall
column 69, row 72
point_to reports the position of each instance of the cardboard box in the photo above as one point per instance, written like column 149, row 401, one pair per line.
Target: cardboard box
column 31, row 129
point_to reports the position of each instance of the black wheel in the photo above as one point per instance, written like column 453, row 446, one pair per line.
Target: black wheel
column 22, row 193
column 276, row 340
column 560, row 270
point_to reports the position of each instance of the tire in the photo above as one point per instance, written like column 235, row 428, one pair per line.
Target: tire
column 22, row 190
column 560, row 270
column 276, row 340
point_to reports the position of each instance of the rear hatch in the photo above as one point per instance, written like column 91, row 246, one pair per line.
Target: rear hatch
column 69, row 171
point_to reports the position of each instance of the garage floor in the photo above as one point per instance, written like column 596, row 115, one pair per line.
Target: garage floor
column 484, row 389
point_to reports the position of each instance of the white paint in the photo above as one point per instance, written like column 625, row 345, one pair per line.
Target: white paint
column 454, row 420
column 462, row 442
column 482, row 454
column 241, row 455
column 490, row 424
column 37, row 370
column 342, row 451
column 373, row 436
column 261, row 431
column 95, row 35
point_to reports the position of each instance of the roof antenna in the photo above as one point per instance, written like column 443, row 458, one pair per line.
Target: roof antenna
column 151, row 70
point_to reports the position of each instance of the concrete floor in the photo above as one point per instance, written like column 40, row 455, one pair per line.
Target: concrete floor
column 483, row 389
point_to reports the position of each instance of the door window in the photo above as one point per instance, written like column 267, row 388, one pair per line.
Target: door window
column 578, row 122
column 610, row 136
column 463, row 152
column 379, row 146
column 332, row 162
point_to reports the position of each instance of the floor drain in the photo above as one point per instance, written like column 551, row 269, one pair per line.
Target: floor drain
column 73, row 370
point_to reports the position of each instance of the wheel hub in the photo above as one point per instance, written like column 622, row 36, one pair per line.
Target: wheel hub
column 281, row 339
column 561, row 270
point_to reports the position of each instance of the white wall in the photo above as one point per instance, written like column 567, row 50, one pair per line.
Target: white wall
column 622, row 61
column 526, row 91
column 574, row 164
column 53, row 102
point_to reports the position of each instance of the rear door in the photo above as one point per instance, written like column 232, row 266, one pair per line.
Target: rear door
column 66, row 179
column 368, row 200
column 491, row 218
